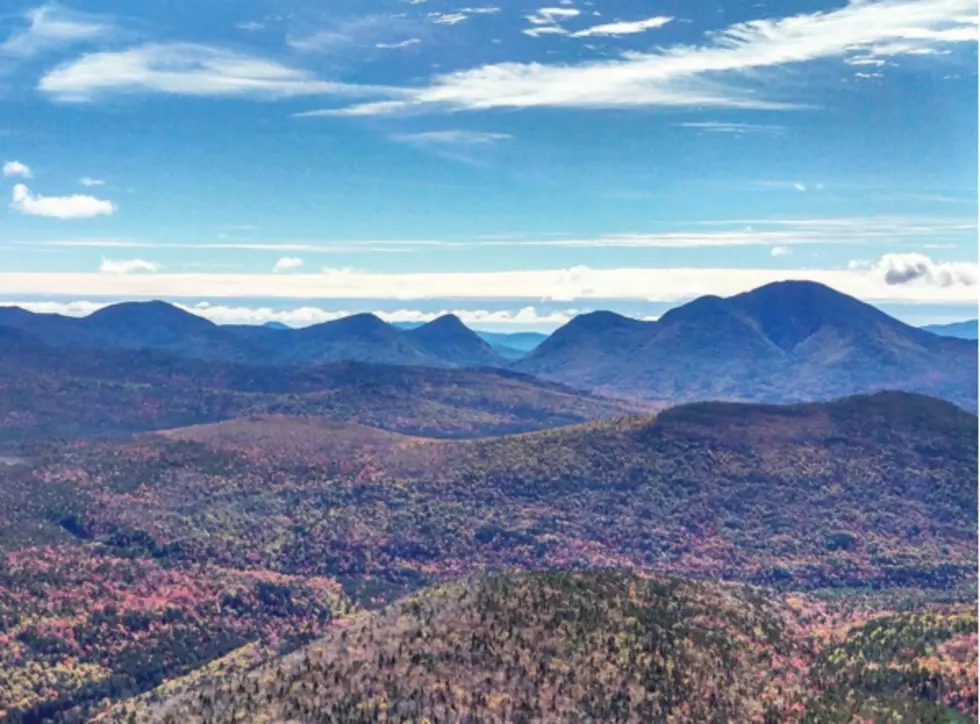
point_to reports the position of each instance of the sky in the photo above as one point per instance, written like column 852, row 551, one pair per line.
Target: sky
column 513, row 162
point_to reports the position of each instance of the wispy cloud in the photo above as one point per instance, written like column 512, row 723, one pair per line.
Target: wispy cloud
column 398, row 46
column 51, row 26
column 733, row 128
column 624, row 28
column 919, row 232
column 447, row 18
column 337, row 247
column 287, row 263
column 127, row 266
column 455, row 145
column 342, row 35
column 89, row 181
column 724, row 71
column 76, row 206
column 461, row 15
column 185, row 69
column 16, row 169
column 775, row 232
column 781, row 251
column 558, row 285
column 547, row 21
column 452, row 137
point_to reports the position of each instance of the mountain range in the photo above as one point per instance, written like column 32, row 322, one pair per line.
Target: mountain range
column 784, row 342
column 160, row 326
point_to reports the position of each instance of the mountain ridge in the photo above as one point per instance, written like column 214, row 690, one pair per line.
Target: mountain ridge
column 783, row 342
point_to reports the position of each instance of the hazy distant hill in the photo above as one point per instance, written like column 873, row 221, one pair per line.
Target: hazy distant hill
column 513, row 345
column 510, row 345
column 784, row 342
column 161, row 326
column 963, row 330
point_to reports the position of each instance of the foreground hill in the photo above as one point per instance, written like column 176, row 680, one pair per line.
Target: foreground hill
column 156, row 325
column 260, row 529
column 45, row 392
column 785, row 342
column 607, row 647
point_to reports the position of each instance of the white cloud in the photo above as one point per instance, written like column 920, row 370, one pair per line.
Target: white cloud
column 309, row 314
column 919, row 269
column 127, row 266
column 799, row 187
column 287, row 263
column 75, row 206
column 51, row 26
column 561, row 285
column 724, row 71
column 624, row 28
column 13, row 169
column 185, row 69
column 74, row 308
column 452, row 137
column 304, row 316
column 88, row 181
column 781, row 251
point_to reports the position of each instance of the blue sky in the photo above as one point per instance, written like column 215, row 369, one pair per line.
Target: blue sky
column 263, row 158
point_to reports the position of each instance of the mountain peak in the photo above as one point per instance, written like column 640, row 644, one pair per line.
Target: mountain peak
column 447, row 338
column 790, row 312
column 362, row 323
column 446, row 324
column 154, row 313
column 600, row 320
